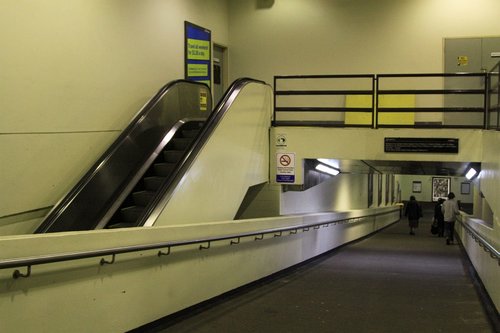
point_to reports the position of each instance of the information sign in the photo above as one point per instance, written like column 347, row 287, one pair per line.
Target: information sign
column 285, row 167
column 420, row 145
column 198, row 53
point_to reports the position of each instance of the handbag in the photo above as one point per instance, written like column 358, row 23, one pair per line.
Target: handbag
column 434, row 228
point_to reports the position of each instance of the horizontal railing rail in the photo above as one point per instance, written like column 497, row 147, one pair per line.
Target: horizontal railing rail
column 454, row 110
column 418, row 100
column 313, row 86
column 204, row 242
column 482, row 242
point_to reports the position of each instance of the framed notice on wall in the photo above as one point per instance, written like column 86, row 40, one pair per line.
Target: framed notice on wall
column 198, row 53
column 465, row 188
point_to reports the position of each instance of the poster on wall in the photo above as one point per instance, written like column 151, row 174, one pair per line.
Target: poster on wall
column 440, row 187
column 198, row 53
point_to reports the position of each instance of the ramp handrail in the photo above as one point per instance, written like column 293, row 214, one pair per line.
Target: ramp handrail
column 483, row 243
column 204, row 242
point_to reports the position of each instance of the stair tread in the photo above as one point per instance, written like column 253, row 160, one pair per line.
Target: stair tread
column 120, row 225
column 142, row 198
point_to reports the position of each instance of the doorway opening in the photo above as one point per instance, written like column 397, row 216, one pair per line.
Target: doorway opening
column 219, row 72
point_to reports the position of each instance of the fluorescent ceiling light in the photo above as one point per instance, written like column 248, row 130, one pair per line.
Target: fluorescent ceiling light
column 332, row 163
column 327, row 169
column 471, row 173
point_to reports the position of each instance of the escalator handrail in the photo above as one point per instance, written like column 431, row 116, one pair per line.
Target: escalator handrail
column 141, row 115
column 166, row 191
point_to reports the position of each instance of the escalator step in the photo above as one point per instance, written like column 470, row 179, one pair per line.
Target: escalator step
column 164, row 169
column 142, row 198
column 153, row 183
column 181, row 143
column 192, row 133
column 120, row 225
column 172, row 156
column 131, row 214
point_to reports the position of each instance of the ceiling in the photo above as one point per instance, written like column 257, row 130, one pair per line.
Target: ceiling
column 457, row 169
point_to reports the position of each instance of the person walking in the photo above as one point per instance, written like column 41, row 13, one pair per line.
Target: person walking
column 450, row 211
column 413, row 211
column 439, row 217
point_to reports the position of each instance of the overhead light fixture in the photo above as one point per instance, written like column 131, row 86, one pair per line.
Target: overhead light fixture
column 471, row 173
column 331, row 163
column 327, row 169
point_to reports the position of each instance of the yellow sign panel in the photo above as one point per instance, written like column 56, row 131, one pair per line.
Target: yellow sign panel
column 203, row 101
column 358, row 118
column 384, row 118
column 462, row 60
column 396, row 118
column 198, row 49
column 197, row 70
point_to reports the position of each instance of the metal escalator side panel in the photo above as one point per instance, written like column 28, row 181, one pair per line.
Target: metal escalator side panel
column 89, row 200
column 216, row 117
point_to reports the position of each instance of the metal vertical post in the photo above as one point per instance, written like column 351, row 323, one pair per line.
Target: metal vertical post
column 486, row 99
column 375, row 88
column 273, row 122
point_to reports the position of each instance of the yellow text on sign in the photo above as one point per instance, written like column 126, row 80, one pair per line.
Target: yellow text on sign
column 198, row 49
column 197, row 70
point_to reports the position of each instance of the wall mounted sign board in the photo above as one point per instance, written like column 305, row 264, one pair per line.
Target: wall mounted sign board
column 420, row 145
column 198, row 53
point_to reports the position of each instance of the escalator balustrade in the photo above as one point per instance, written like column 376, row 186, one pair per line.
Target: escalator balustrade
column 134, row 206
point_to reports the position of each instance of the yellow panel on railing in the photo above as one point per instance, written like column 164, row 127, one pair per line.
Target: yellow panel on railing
column 358, row 118
column 396, row 118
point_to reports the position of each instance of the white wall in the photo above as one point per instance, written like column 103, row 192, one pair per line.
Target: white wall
column 489, row 181
column 73, row 75
column 406, row 182
column 351, row 36
column 343, row 192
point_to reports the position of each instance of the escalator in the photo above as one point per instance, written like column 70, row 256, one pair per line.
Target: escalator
column 148, row 164
column 134, row 206
column 123, row 182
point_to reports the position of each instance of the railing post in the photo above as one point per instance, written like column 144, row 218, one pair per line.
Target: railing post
column 273, row 122
column 375, row 102
column 486, row 99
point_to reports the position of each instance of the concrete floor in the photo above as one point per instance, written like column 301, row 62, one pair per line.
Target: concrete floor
column 389, row 282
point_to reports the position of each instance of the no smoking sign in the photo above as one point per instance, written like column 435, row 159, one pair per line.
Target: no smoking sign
column 285, row 167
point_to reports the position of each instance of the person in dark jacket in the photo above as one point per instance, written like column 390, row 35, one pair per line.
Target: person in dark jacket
column 439, row 217
column 450, row 213
column 413, row 211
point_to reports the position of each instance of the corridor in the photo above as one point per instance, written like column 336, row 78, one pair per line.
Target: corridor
column 389, row 282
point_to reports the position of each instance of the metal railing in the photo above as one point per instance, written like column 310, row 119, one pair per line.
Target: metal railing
column 204, row 244
column 482, row 242
column 330, row 99
column 432, row 100
column 460, row 104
